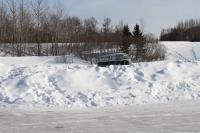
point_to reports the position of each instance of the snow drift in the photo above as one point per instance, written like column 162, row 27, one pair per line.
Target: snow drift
column 91, row 86
column 39, row 81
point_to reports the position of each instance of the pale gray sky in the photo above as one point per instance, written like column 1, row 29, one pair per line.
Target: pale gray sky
column 156, row 14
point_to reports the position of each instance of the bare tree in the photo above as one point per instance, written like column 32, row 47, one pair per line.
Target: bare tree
column 12, row 5
column 3, row 18
column 39, row 9
column 90, row 27
column 73, row 29
column 106, row 29
column 56, row 25
column 22, row 31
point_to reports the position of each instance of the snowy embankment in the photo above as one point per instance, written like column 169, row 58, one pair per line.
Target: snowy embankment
column 40, row 82
column 184, row 51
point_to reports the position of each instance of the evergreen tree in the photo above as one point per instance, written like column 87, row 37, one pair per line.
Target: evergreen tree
column 137, row 32
column 126, row 39
column 139, row 41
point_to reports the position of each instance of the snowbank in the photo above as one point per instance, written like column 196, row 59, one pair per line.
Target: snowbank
column 40, row 81
column 75, row 86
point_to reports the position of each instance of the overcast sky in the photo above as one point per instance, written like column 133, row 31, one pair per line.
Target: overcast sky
column 156, row 14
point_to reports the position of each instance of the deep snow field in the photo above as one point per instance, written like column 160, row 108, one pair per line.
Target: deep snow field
column 31, row 82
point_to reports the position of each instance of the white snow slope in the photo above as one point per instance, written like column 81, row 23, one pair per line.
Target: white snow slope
column 35, row 82
column 185, row 51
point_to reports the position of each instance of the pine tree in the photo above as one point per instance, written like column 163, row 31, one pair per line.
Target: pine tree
column 126, row 39
column 139, row 41
column 137, row 32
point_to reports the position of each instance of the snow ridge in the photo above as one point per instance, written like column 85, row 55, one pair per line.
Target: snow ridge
column 75, row 86
column 40, row 81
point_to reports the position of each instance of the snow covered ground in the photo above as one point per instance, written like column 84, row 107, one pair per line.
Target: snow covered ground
column 178, row 117
column 31, row 82
column 185, row 51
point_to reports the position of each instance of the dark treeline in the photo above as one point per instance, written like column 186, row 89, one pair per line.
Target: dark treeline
column 23, row 22
column 188, row 30
column 30, row 27
column 32, row 21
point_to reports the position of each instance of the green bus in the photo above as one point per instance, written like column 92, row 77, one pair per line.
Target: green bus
column 114, row 59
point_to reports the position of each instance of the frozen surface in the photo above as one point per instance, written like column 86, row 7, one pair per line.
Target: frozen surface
column 179, row 117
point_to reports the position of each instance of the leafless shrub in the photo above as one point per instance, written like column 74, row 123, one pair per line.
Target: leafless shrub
column 155, row 51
